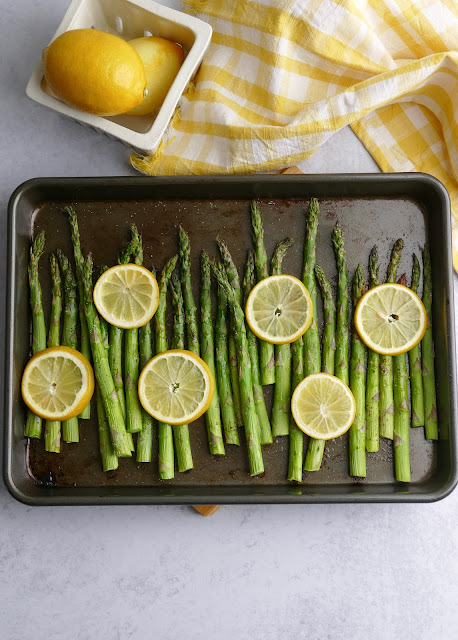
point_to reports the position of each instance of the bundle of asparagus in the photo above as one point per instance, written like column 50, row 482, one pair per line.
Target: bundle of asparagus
column 240, row 364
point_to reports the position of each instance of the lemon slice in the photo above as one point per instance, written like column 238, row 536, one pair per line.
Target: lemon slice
column 390, row 319
column 176, row 387
column 126, row 295
column 323, row 406
column 279, row 309
column 57, row 383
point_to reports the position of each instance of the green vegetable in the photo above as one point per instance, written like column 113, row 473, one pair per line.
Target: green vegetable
column 427, row 352
column 213, row 413
column 85, row 345
column 165, row 434
column 134, row 420
column 357, row 433
column 296, row 437
column 52, row 427
column 329, row 330
column 70, row 429
column 223, row 374
column 373, row 373
column 264, row 423
column 315, row 448
column 34, row 423
column 401, row 432
column 180, row 432
column 312, row 362
column 312, row 356
column 386, row 372
column 102, row 371
column 116, row 333
column 416, row 382
column 145, row 437
column 109, row 457
column 234, row 281
column 250, row 417
column 189, row 304
column 342, row 332
column 260, row 260
column 103, row 323
column 281, row 410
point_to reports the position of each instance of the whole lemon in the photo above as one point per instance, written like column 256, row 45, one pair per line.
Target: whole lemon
column 162, row 60
column 95, row 71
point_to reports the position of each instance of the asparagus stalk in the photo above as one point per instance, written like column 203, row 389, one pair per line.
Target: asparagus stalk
column 180, row 432
column 105, row 332
column 260, row 259
column 401, row 431
column 165, row 434
column 341, row 355
column 116, row 334
column 85, row 345
column 70, row 429
column 131, row 358
column 103, row 375
column 315, row 448
column 34, row 423
column 329, row 330
column 103, row 323
column 234, row 281
column 296, row 436
column 56, row 304
column 357, row 437
column 373, row 373
column 264, row 423
column 312, row 356
column 109, row 457
column 115, row 360
column 281, row 411
column 427, row 352
column 213, row 413
column 189, row 304
column 416, row 383
column 312, row 362
column 386, row 372
column 53, row 427
column 101, row 417
column 223, row 374
column 113, row 412
column 250, row 417
column 145, row 437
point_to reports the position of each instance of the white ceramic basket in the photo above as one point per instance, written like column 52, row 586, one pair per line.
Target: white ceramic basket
column 131, row 19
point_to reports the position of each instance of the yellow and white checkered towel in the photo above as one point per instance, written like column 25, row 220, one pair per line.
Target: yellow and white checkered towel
column 281, row 76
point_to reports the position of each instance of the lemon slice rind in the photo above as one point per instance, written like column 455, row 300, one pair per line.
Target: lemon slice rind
column 323, row 406
column 57, row 383
column 287, row 294
column 390, row 319
column 176, row 387
column 126, row 295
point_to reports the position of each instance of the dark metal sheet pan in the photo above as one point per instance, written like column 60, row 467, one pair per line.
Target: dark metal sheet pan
column 371, row 209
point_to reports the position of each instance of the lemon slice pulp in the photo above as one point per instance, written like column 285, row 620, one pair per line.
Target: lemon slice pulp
column 323, row 406
column 126, row 295
column 390, row 319
column 176, row 387
column 279, row 309
column 57, row 383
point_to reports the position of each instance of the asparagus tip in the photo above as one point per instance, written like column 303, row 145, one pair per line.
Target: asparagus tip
column 38, row 245
column 359, row 284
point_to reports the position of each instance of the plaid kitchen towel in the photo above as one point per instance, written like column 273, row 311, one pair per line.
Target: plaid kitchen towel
column 281, row 76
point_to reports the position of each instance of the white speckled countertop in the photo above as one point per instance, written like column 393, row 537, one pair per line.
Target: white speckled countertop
column 323, row 572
